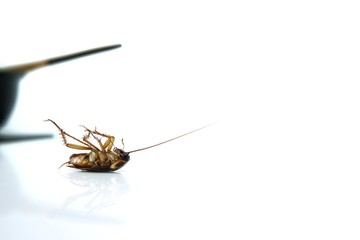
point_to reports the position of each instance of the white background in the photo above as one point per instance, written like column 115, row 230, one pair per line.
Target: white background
column 280, row 77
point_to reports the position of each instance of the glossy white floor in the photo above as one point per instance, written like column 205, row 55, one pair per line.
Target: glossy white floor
column 280, row 78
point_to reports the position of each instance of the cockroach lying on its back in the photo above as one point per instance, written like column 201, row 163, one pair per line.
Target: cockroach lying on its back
column 103, row 158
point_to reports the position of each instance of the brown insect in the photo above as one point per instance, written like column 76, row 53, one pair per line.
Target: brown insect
column 102, row 158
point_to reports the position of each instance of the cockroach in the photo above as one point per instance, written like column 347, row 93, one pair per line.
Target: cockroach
column 102, row 158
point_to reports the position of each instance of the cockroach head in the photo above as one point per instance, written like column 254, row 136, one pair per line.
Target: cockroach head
column 122, row 154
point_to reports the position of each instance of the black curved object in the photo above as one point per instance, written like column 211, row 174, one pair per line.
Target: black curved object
column 10, row 77
column 8, row 93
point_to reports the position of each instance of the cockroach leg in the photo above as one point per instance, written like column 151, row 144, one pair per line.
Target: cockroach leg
column 70, row 145
column 86, row 139
column 109, row 143
column 107, row 146
column 116, row 164
column 78, row 147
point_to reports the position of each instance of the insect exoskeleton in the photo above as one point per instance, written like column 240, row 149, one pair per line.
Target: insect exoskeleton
column 99, row 161
column 102, row 157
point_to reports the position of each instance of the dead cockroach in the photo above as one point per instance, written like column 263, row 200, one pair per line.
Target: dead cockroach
column 103, row 159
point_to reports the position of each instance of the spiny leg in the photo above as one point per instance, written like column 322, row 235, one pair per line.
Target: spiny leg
column 86, row 139
column 100, row 153
column 109, row 143
column 70, row 145
column 90, row 132
column 107, row 146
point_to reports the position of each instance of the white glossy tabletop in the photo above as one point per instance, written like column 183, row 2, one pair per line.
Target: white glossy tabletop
column 280, row 79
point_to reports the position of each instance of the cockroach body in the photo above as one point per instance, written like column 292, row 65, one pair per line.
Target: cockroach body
column 105, row 157
column 99, row 161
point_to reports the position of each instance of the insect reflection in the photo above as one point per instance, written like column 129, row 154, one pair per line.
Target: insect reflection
column 104, row 157
column 100, row 191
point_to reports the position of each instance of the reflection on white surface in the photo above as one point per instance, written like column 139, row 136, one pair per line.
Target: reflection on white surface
column 99, row 190
column 92, row 192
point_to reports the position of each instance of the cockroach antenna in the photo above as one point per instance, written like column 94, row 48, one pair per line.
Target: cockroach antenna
column 172, row 139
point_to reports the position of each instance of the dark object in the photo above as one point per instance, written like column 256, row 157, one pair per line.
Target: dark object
column 103, row 159
column 10, row 76
column 22, row 137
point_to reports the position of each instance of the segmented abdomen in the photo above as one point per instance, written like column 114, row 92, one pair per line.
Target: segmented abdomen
column 97, row 161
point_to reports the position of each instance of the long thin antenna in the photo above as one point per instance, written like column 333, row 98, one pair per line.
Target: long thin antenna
column 140, row 149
